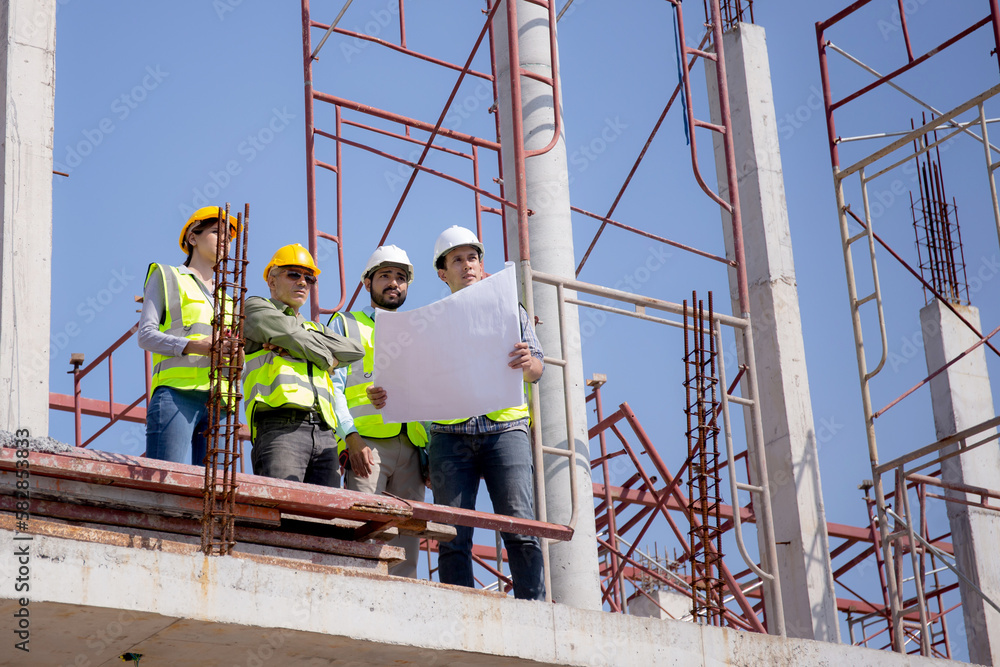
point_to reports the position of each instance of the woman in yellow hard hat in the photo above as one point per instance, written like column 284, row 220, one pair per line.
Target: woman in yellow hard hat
column 176, row 326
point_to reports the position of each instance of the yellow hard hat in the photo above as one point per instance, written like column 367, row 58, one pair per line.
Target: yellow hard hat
column 204, row 213
column 292, row 255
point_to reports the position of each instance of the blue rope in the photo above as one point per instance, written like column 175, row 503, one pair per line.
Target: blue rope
column 680, row 79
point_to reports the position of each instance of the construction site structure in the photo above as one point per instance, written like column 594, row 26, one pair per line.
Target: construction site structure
column 96, row 518
column 964, row 457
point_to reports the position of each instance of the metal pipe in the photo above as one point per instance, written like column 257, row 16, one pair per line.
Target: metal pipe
column 910, row 65
column 733, row 490
column 315, row 54
column 568, row 404
column 924, row 129
column 635, row 167
column 902, row 90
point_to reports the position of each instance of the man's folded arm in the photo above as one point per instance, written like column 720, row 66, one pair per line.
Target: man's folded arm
column 266, row 324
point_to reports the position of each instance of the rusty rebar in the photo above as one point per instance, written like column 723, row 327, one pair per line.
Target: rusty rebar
column 939, row 241
column 704, row 500
column 225, row 374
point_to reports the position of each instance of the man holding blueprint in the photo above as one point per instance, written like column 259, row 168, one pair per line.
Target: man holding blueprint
column 487, row 334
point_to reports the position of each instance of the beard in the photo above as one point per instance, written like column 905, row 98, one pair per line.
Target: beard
column 393, row 302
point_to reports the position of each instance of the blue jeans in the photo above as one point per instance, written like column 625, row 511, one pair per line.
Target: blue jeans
column 295, row 445
column 503, row 460
column 175, row 425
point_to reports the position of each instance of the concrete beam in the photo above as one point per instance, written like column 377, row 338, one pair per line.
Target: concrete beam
column 91, row 602
column 27, row 81
column 786, row 410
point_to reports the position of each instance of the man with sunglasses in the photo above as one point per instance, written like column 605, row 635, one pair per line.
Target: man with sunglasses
column 287, row 389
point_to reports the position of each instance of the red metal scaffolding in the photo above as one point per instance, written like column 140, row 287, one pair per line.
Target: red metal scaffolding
column 913, row 562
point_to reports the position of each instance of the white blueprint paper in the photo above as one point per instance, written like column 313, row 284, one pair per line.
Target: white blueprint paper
column 449, row 360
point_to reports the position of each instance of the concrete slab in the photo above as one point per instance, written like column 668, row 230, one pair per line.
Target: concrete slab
column 91, row 602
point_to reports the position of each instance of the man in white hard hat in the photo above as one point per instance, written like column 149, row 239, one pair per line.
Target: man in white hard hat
column 494, row 446
column 378, row 457
column 286, row 383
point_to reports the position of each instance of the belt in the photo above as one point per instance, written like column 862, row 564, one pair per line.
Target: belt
column 291, row 414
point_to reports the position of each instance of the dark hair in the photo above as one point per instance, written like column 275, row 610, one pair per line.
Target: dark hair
column 439, row 264
column 198, row 228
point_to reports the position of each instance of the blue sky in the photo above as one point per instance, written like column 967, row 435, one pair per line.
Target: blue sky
column 163, row 107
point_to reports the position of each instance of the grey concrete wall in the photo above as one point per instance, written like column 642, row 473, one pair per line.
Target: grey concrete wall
column 27, row 78
column 90, row 602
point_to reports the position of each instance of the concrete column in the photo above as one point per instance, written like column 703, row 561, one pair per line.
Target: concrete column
column 661, row 604
column 27, row 78
column 961, row 399
column 574, row 567
column 789, row 433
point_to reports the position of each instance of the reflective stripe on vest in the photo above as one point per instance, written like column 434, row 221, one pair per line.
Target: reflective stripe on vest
column 188, row 313
column 368, row 420
column 505, row 415
column 279, row 382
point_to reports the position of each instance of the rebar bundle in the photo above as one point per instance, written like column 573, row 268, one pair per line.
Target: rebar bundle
column 733, row 12
column 935, row 224
column 704, row 499
column 222, row 435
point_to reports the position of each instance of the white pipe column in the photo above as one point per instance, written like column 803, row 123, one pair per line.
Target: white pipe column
column 790, row 445
column 27, row 78
column 962, row 398
column 574, row 568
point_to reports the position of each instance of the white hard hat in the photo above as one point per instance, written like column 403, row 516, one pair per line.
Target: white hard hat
column 389, row 255
column 454, row 237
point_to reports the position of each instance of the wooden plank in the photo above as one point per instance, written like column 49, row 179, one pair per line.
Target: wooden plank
column 294, row 497
column 190, row 527
column 116, row 497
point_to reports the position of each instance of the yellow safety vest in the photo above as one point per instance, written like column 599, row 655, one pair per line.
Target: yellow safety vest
column 279, row 382
column 359, row 327
column 505, row 415
column 188, row 313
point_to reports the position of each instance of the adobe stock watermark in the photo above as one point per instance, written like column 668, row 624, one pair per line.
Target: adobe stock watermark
column 881, row 199
column 459, row 112
column 378, row 21
column 911, row 346
column 579, row 159
column 803, row 113
column 246, row 152
column 41, row 19
column 224, row 7
column 88, row 310
column 895, row 22
column 121, row 108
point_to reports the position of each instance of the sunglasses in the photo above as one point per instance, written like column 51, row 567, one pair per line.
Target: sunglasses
column 298, row 275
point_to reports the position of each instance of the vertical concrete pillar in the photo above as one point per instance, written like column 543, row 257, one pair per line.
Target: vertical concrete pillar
column 27, row 78
column 662, row 604
column 961, row 399
column 789, row 434
column 574, row 567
